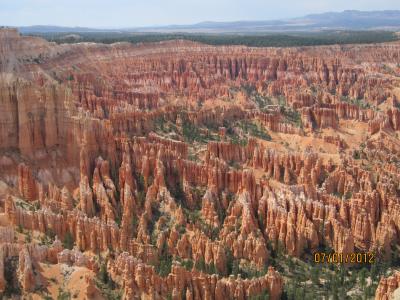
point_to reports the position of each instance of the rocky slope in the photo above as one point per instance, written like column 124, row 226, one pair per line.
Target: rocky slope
column 180, row 170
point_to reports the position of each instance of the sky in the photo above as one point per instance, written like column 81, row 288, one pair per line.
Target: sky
column 135, row 13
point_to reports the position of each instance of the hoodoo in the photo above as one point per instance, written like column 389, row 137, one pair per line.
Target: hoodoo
column 179, row 170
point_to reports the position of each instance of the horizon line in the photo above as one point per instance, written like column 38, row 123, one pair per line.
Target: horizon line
column 97, row 27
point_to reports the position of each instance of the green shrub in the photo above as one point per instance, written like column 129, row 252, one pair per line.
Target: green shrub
column 63, row 295
column 163, row 268
column 12, row 286
column 263, row 296
column 187, row 264
column 190, row 132
column 291, row 116
column 106, row 285
column 68, row 241
column 356, row 154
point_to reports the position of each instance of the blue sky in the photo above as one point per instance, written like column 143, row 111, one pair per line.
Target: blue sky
column 132, row 13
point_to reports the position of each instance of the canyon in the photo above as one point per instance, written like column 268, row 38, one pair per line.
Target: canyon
column 178, row 170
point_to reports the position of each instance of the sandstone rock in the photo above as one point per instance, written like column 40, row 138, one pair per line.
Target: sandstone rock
column 103, row 126
column 26, row 183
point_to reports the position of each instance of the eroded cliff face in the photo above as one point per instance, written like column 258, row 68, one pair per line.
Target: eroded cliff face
column 388, row 287
column 177, row 169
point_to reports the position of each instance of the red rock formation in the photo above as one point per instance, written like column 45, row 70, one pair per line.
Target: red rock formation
column 274, row 122
column 387, row 286
column 26, row 183
column 336, row 140
column 2, row 278
column 319, row 117
column 100, row 130
column 193, row 285
column 25, row 270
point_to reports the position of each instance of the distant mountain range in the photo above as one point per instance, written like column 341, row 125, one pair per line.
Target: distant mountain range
column 346, row 20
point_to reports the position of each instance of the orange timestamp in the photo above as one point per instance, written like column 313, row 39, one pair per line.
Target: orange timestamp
column 344, row 258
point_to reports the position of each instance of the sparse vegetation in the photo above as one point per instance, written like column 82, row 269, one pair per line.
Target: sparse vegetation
column 260, row 100
column 361, row 103
column 201, row 265
column 106, row 285
column 48, row 238
column 263, row 296
column 190, row 132
column 68, row 241
column 234, row 267
column 140, row 192
column 176, row 189
column 20, row 229
column 291, row 116
column 356, row 154
column 63, row 295
column 163, row 268
column 254, row 129
column 309, row 280
column 12, row 286
column 160, row 124
column 28, row 237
